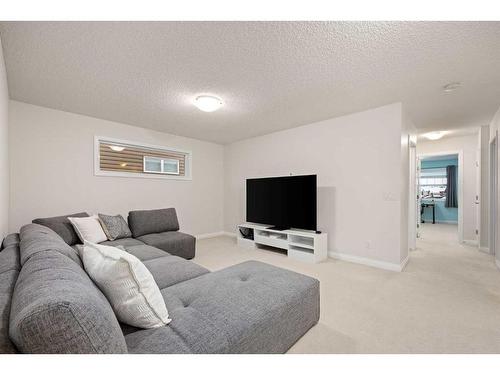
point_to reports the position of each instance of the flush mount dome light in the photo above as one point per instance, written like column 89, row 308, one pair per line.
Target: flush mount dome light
column 434, row 135
column 117, row 148
column 452, row 86
column 207, row 103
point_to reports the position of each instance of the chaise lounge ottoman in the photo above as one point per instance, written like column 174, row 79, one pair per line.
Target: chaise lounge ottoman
column 251, row 307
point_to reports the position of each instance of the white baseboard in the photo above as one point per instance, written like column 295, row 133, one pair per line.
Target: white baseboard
column 484, row 250
column 369, row 262
column 497, row 262
column 404, row 262
column 230, row 234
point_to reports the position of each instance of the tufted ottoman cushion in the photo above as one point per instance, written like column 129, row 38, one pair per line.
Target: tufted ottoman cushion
column 251, row 307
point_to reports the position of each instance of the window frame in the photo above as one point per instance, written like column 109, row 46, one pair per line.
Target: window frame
column 162, row 165
column 152, row 175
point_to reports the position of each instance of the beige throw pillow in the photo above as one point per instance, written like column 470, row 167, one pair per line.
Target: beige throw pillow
column 127, row 284
column 88, row 228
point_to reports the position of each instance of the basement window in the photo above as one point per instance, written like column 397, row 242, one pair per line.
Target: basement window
column 160, row 165
column 122, row 158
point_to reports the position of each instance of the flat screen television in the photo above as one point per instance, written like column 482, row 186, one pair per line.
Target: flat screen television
column 282, row 202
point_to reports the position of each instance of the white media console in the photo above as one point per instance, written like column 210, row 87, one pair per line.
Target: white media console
column 302, row 245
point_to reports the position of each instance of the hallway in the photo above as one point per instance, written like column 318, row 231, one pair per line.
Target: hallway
column 464, row 289
column 438, row 249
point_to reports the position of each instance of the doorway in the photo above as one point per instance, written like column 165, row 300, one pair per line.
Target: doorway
column 440, row 195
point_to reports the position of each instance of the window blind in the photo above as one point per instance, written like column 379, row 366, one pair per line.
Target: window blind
column 433, row 172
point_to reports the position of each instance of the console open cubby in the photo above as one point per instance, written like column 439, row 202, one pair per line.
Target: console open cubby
column 303, row 245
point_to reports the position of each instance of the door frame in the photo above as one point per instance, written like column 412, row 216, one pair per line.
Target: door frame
column 493, row 233
column 460, row 186
column 413, row 210
column 478, row 198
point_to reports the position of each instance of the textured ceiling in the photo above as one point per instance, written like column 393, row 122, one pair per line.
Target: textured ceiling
column 271, row 75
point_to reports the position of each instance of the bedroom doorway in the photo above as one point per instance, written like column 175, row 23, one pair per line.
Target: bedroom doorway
column 440, row 192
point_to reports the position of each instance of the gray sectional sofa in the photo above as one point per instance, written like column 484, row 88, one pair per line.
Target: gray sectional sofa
column 158, row 228
column 48, row 303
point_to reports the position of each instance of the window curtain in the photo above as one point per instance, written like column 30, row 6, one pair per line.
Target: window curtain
column 451, row 186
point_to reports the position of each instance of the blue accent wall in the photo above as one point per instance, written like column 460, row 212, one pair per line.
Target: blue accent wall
column 443, row 214
column 438, row 163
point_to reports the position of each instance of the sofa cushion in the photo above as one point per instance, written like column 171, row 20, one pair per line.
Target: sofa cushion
column 11, row 239
column 56, row 308
column 9, row 271
column 9, row 259
column 38, row 238
column 174, row 243
column 62, row 226
column 172, row 270
column 115, row 227
column 123, row 242
column 189, row 332
column 145, row 252
column 143, row 222
column 7, row 282
column 248, row 308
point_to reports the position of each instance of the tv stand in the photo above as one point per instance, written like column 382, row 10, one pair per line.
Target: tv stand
column 303, row 245
column 278, row 228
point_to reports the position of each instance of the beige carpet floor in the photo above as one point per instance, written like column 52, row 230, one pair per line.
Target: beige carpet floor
column 447, row 300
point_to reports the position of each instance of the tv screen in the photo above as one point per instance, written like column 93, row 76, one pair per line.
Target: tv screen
column 282, row 202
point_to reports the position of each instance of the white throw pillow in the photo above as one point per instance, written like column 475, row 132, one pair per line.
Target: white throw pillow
column 88, row 228
column 128, row 285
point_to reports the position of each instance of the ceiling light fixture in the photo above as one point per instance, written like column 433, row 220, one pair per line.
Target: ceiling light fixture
column 434, row 135
column 452, row 86
column 117, row 148
column 207, row 103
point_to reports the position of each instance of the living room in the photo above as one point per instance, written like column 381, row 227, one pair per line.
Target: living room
column 259, row 181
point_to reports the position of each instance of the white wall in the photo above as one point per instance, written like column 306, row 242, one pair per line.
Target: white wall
column 468, row 144
column 358, row 160
column 4, row 149
column 52, row 172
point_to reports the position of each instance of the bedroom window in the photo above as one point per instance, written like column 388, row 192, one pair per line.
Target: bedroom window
column 131, row 159
column 433, row 182
column 433, row 177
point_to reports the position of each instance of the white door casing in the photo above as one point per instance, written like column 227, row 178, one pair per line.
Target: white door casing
column 477, row 200
column 414, row 208
column 418, row 200
column 493, row 240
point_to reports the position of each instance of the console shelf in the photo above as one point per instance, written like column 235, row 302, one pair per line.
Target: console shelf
column 302, row 245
